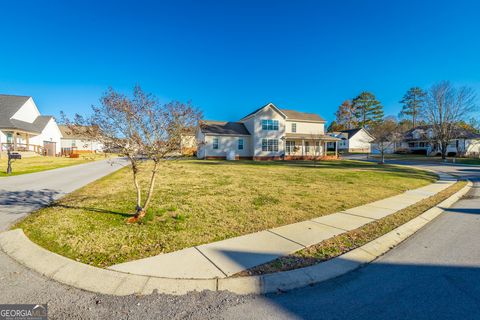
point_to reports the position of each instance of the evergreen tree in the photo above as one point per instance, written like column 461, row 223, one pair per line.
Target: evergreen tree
column 412, row 103
column 367, row 109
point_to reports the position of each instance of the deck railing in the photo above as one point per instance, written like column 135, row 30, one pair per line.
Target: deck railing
column 5, row 146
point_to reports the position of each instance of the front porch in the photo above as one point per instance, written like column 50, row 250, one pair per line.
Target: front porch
column 19, row 141
column 309, row 147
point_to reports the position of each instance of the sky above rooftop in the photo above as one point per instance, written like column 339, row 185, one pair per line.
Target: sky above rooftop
column 230, row 57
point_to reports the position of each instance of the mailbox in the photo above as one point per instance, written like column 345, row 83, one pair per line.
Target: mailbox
column 15, row 155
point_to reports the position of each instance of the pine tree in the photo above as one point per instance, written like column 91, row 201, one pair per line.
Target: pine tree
column 368, row 109
column 412, row 104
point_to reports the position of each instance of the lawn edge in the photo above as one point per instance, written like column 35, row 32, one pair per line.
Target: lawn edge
column 64, row 270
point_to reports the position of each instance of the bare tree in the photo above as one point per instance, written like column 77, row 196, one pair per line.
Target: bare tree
column 138, row 128
column 386, row 133
column 445, row 107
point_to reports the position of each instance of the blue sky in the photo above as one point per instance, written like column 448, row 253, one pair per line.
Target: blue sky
column 229, row 57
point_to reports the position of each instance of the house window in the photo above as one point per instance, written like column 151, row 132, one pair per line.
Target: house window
column 290, row 147
column 9, row 137
column 74, row 144
column 317, row 146
column 271, row 125
column 240, row 144
column 411, row 144
column 269, row 145
column 294, row 127
column 215, row 143
column 307, row 147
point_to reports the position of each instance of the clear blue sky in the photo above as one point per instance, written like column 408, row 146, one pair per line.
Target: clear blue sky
column 229, row 57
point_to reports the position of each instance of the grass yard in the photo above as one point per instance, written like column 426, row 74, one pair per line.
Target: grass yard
column 347, row 241
column 199, row 202
column 36, row 164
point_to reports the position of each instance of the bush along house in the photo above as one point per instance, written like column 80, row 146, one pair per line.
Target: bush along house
column 268, row 133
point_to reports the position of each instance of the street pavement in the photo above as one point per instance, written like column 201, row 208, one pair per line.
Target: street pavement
column 435, row 274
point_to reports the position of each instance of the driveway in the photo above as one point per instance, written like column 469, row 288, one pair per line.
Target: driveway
column 20, row 195
column 433, row 275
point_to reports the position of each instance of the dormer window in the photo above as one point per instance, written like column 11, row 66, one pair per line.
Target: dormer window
column 270, row 125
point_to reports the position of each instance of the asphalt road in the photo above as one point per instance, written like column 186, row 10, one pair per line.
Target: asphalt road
column 435, row 274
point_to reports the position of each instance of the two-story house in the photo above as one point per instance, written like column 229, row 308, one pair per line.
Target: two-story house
column 24, row 129
column 268, row 133
column 421, row 140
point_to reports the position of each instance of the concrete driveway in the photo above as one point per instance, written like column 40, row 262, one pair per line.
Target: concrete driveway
column 433, row 275
column 20, row 195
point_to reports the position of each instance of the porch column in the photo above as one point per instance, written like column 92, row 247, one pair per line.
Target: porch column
column 14, row 140
column 27, row 140
column 336, row 149
column 303, row 147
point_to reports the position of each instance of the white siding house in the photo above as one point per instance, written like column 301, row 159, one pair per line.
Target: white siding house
column 71, row 142
column 268, row 133
column 354, row 140
column 24, row 129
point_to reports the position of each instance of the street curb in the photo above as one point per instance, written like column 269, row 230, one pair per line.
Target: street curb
column 86, row 277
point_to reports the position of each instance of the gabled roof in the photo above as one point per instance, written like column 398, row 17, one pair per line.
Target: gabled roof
column 303, row 116
column 9, row 105
column 351, row 132
column 262, row 107
column 80, row 132
column 289, row 114
column 224, row 128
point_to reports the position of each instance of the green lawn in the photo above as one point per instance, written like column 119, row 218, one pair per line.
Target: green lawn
column 39, row 163
column 347, row 241
column 203, row 201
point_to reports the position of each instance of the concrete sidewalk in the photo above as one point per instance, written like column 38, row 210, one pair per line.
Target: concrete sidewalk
column 225, row 258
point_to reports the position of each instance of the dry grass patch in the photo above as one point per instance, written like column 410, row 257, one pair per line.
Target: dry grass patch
column 199, row 202
column 347, row 241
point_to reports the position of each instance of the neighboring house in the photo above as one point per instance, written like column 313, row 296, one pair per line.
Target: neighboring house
column 268, row 133
column 353, row 140
column 188, row 144
column 23, row 128
column 421, row 140
column 77, row 143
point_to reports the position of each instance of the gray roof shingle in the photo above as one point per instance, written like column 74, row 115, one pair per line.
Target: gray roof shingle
column 9, row 105
column 297, row 115
column 224, row 128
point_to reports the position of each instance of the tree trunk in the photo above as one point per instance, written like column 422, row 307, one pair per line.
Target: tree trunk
column 142, row 210
column 138, row 210
column 152, row 186
column 444, row 151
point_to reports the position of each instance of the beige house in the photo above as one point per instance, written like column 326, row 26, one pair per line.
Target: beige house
column 268, row 133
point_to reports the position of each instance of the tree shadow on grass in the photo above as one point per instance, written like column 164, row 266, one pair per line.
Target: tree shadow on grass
column 98, row 210
column 28, row 198
column 20, row 202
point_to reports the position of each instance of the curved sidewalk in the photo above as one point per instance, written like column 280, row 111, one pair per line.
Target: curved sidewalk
column 86, row 277
column 225, row 258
